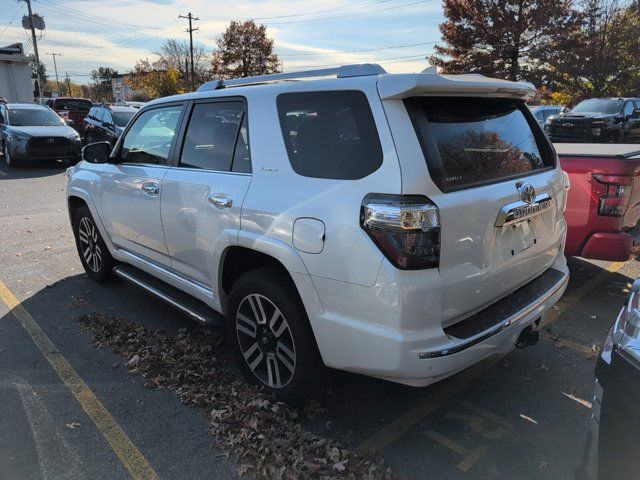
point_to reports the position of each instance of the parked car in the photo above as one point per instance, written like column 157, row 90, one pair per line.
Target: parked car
column 30, row 133
column 130, row 103
column 612, row 442
column 603, row 206
column 598, row 120
column 389, row 225
column 106, row 123
column 542, row 112
column 72, row 108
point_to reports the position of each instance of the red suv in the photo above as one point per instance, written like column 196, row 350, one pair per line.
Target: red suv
column 72, row 108
column 603, row 205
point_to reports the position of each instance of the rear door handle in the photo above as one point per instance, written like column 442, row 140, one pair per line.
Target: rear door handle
column 221, row 200
column 151, row 188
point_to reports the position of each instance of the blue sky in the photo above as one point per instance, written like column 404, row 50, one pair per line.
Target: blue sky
column 307, row 34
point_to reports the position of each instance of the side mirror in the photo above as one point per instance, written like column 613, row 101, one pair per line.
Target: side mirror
column 97, row 152
column 69, row 122
column 636, row 113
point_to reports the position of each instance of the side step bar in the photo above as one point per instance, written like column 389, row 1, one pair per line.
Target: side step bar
column 194, row 308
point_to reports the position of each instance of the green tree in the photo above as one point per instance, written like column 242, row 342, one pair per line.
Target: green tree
column 244, row 50
column 101, row 82
column 605, row 61
column 505, row 38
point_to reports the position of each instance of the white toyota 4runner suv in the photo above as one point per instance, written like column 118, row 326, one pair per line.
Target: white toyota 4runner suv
column 403, row 226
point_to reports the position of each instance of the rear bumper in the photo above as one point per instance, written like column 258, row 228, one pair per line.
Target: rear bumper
column 615, row 247
column 417, row 351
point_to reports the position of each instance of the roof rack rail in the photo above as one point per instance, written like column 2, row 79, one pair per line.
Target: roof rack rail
column 345, row 71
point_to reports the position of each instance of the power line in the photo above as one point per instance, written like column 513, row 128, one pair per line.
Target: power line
column 305, row 14
column 356, row 51
column 10, row 21
column 191, row 30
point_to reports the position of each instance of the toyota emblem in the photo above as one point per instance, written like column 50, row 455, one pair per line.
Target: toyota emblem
column 567, row 125
column 527, row 193
column 51, row 140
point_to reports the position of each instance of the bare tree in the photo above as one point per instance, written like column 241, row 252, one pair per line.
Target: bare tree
column 175, row 54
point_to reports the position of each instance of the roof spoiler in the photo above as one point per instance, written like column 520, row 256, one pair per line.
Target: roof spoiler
column 394, row 87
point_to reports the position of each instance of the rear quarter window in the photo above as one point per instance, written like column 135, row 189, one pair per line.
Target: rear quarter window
column 330, row 134
column 474, row 141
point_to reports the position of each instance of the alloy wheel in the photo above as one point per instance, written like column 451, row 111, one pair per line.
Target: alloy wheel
column 88, row 238
column 266, row 341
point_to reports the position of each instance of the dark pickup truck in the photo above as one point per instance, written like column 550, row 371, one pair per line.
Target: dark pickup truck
column 597, row 120
column 72, row 109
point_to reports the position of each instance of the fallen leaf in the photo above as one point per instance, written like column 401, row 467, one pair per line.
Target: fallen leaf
column 582, row 402
column 528, row 419
column 73, row 425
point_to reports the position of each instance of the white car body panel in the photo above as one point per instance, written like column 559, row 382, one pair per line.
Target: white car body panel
column 367, row 315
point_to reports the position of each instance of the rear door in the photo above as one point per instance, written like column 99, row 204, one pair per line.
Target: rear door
column 203, row 194
column 132, row 184
column 487, row 163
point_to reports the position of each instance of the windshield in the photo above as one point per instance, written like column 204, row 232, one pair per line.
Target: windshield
column 122, row 118
column 73, row 105
column 598, row 106
column 32, row 117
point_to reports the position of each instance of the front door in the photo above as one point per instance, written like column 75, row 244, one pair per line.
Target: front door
column 132, row 184
column 202, row 196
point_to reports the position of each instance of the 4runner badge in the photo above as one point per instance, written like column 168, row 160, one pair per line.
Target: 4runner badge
column 527, row 193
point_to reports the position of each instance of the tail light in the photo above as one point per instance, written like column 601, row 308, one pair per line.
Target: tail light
column 405, row 228
column 617, row 194
column 64, row 114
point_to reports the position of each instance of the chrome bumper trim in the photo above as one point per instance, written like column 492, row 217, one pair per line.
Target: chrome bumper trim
column 458, row 346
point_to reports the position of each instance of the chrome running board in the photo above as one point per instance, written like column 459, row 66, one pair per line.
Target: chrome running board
column 194, row 308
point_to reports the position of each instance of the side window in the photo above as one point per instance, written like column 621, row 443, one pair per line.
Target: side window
column 107, row 117
column 242, row 155
column 330, row 134
column 628, row 108
column 539, row 116
column 2, row 114
column 98, row 114
column 150, row 138
column 211, row 135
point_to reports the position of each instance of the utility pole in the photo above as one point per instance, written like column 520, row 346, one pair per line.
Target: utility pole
column 35, row 47
column 55, row 66
column 191, row 30
column 68, row 85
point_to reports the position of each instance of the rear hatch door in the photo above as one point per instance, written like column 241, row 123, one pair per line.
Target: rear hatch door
column 491, row 172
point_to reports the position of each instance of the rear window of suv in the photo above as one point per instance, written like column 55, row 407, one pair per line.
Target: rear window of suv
column 474, row 141
column 330, row 134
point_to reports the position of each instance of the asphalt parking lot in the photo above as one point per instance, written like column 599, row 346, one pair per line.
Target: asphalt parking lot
column 521, row 416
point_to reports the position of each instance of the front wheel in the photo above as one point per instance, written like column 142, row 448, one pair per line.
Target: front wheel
column 270, row 334
column 11, row 162
column 94, row 254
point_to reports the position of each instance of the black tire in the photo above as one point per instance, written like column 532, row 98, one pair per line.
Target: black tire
column 93, row 252
column 271, row 289
column 11, row 162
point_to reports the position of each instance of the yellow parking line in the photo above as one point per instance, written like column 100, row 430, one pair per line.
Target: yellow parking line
column 568, row 300
column 578, row 347
column 402, row 424
column 123, row 447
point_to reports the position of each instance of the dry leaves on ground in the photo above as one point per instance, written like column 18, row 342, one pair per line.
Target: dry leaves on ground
column 247, row 422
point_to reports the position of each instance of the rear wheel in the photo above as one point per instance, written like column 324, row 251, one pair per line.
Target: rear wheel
column 94, row 254
column 270, row 334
